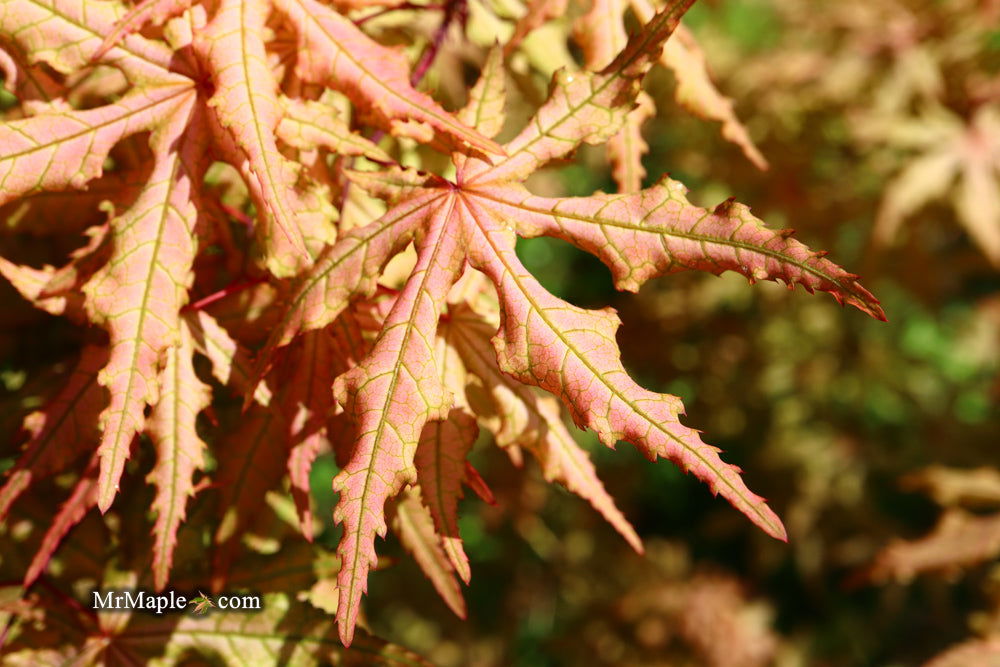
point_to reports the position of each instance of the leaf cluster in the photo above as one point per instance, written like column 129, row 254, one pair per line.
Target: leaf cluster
column 268, row 211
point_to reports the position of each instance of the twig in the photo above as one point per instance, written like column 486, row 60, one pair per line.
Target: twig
column 231, row 288
column 453, row 10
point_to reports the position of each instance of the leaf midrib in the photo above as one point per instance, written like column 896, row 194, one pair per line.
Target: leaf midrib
column 667, row 231
column 98, row 126
column 137, row 340
column 286, row 219
column 397, row 369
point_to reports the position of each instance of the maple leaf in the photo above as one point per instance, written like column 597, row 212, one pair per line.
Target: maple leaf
column 415, row 527
column 180, row 452
column 526, row 418
column 960, row 538
column 441, row 470
column 51, row 152
column 695, row 90
column 949, row 150
column 62, row 431
column 140, row 292
column 153, row 242
column 81, row 500
column 333, row 51
column 397, row 388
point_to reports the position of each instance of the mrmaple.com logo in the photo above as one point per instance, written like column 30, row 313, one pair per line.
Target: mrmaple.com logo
column 171, row 601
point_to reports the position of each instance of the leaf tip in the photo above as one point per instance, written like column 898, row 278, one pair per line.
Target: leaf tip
column 770, row 522
column 345, row 627
column 479, row 487
column 106, row 497
column 780, row 533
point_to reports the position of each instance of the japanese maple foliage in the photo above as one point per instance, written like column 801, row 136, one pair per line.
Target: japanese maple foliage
column 240, row 149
